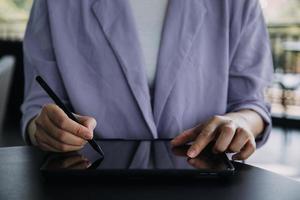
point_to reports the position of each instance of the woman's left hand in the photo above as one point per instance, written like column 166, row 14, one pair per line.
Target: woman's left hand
column 230, row 133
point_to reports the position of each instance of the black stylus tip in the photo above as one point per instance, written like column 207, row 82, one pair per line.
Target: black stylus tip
column 96, row 147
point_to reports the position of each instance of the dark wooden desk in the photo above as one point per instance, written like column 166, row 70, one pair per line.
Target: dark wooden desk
column 20, row 179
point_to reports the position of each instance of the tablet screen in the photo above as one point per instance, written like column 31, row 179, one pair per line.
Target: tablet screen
column 126, row 155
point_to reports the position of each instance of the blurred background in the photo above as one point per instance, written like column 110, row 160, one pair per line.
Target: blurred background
column 281, row 154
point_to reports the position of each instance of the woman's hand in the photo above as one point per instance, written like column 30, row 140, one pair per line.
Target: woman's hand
column 233, row 132
column 53, row 130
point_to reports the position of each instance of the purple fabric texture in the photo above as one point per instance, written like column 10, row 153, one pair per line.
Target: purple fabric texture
column 214, row 58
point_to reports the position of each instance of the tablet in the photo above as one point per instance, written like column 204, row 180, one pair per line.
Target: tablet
column 136, row 158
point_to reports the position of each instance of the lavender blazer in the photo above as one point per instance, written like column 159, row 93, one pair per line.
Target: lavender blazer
column 214, row 58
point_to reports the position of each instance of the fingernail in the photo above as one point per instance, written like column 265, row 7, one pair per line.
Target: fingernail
column 173, row 141
column 92, row 126
column 192, row 153
column 95, row 124
column 88, row 136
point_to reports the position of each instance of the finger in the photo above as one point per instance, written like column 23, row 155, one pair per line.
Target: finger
column 61, row 120
column 205, row 136
column 240, row 138
column 246, row 151
column 225, row 137
column 41, row 143
column 87, row 121
column 59, row 134
column 185, row 137
column 46, row 147
column 61, row 147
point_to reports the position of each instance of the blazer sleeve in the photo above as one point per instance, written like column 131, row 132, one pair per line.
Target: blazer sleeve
column 39, row 59
column 251, row 66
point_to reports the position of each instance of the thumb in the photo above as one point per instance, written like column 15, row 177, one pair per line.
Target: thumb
column 88, row 122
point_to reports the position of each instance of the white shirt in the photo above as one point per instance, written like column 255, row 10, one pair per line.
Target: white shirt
column 149, row 18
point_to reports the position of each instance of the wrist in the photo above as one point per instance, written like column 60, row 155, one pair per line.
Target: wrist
column 31, row 130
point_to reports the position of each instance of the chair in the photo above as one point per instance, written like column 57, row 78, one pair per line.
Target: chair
column 6, row 72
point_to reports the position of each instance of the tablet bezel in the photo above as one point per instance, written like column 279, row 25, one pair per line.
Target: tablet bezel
column 137, row 173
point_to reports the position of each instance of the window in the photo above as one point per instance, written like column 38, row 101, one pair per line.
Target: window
column 13, row 18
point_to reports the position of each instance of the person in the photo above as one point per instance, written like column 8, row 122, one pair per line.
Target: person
column 190, row 70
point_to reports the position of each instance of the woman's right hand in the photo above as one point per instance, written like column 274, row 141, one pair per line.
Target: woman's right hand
column 53, row 130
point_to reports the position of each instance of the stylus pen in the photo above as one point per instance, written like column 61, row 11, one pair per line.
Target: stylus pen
column 58, row 102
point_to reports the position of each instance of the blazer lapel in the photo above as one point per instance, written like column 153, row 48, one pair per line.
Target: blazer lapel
column 117, row 22
column 183, row 20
